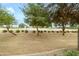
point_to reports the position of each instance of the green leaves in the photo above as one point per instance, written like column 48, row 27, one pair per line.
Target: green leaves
column 5, row 17
column 71, row 53
column 36, row 15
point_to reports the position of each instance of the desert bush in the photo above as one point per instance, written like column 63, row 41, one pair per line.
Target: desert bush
column 45, row 31
column 71, row 53
column 4, row 31
column 10, row 31
column 41, row 31
column 74, row 31
column 48, row 31
column 26, row 31
column 17, row 31
column 38, row 31
column 52, row 31
column 57, row 31
column 22, row 30
column 33, row 31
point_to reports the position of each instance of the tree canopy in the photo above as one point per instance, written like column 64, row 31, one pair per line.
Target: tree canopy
column 5, row 17
column 36, row 15
column 63, row 13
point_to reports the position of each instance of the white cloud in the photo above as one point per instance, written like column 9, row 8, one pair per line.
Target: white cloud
column 11, row 10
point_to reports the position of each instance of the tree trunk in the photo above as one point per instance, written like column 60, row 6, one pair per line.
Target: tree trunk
column 37, row 31
column 9, row 31
column 78, row 38
column 63, row 29
column 8, row 28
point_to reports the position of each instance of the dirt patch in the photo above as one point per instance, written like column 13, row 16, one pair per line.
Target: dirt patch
column 25, row 43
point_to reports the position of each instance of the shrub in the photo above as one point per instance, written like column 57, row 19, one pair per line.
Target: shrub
column 33, row 31
column 26, row 31
column 10, row 31
column 44, row 30
column 57, row 31
column 4, row 31
column 48, row 31
column 17, row 31
column 22, row 30
column 74, row 31
column 52, row 31
column 41, row 31
column 71, row 53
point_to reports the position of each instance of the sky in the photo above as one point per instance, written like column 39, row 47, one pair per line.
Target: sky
column 14, row 8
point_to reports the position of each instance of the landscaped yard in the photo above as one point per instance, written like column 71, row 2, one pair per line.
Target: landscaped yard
column 27, row 43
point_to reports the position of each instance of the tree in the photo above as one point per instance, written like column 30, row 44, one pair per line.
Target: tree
column 67, row 13
column 36, row 15
column 59, row 14
column 73, row 15
column 22, row 25
column 75, row 18
column 6, row 18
